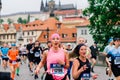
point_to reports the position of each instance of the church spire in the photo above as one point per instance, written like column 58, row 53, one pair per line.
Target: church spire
column 46, row 4
column 59, row 5
column 42, row 6
column 76, row 11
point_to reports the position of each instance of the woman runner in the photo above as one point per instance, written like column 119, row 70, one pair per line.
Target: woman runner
column 57, row 60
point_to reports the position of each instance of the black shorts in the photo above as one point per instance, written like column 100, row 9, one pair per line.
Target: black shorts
column 18, row 60
column 95, row 57
column 31, row 57
column 37, row 60
column 49, row 77
column 24, row 54
column 6, row 59
column 116, row 70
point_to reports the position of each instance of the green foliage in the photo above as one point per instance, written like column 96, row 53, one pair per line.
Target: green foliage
column 9, row 21
column 1, row 21
column 28, row 20
column 25, row 21
column 22, row 21
column 104, row 14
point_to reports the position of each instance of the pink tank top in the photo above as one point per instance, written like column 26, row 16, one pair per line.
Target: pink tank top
column 58, row 71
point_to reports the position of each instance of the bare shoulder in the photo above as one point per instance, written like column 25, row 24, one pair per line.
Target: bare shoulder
column 75, row 62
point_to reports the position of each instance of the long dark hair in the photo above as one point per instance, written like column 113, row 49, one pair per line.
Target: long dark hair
column 75, row 52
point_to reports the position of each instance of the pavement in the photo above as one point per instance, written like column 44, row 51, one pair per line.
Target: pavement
column 25, row 74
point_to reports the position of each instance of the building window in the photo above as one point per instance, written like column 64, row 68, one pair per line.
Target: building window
column 11, row 36
column 45, row 36
column 64, row 35
column 3, row 37
column 28, row 33
column 84, row 32
column 27, row 40
column 74, row 34
column 7, row 36
column 23, row 33
column 32, row 33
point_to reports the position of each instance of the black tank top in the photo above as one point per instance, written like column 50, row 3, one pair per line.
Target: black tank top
column 85, row 74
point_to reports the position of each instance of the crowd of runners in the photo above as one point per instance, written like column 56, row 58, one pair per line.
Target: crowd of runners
column 61, row 62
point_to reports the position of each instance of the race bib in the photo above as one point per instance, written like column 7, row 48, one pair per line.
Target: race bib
column 14, row 62
column 37, row 54
column 31, row 51
column 117, row 60
column 57, row 69
column 24, row 52
column 85, row 76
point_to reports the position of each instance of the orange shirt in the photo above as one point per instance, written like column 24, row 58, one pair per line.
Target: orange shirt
column 13, row 54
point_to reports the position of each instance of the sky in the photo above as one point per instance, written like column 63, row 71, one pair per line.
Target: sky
column 15, row 6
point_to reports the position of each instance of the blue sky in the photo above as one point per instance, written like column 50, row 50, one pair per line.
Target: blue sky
column 14, row 6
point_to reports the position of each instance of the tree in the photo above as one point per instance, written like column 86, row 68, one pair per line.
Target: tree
column 24, row 21
column 20, row 20
column 104, row 16
column 9, row 21
column 28, row 19
column 1, row 21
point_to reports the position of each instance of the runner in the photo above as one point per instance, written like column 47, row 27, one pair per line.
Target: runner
column 108, row 60
column 37, row 51
column 49, row 45
column 23, row 54
column 12, row 55
column 94, row 52
column 30, row 54
column 57, row 60
column 81, row 65
column 4, row 52
column 114, row 53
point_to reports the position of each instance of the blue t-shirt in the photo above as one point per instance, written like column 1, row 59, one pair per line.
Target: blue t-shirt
column 115, row 55
column 108, row 48
column 4, row 51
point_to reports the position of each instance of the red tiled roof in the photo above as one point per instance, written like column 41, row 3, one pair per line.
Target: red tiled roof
column 38, row 25
column 67, row 31
column 64, row 12
column 17, row 26
column 39, row 22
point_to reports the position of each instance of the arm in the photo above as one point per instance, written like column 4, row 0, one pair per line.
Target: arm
column 0, row 53
column 67, row 60
column 42, row 62
column 75, row 71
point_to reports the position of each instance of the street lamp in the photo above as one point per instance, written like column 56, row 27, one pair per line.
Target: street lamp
column 47, row 33
column 58, row 26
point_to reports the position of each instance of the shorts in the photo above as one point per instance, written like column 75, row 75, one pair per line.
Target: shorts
column 18, row 60
column 24, row 54
column 115, row 70
column 49, row 77
column 6, row 59
column 95, row 57
column 37, row 60
column 11, row 63
column 31, row 57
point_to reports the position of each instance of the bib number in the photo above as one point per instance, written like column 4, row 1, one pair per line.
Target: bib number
column 85, row 76
column 57, row 69
column 117, row 60
column 14, row 62
column 37, row 54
